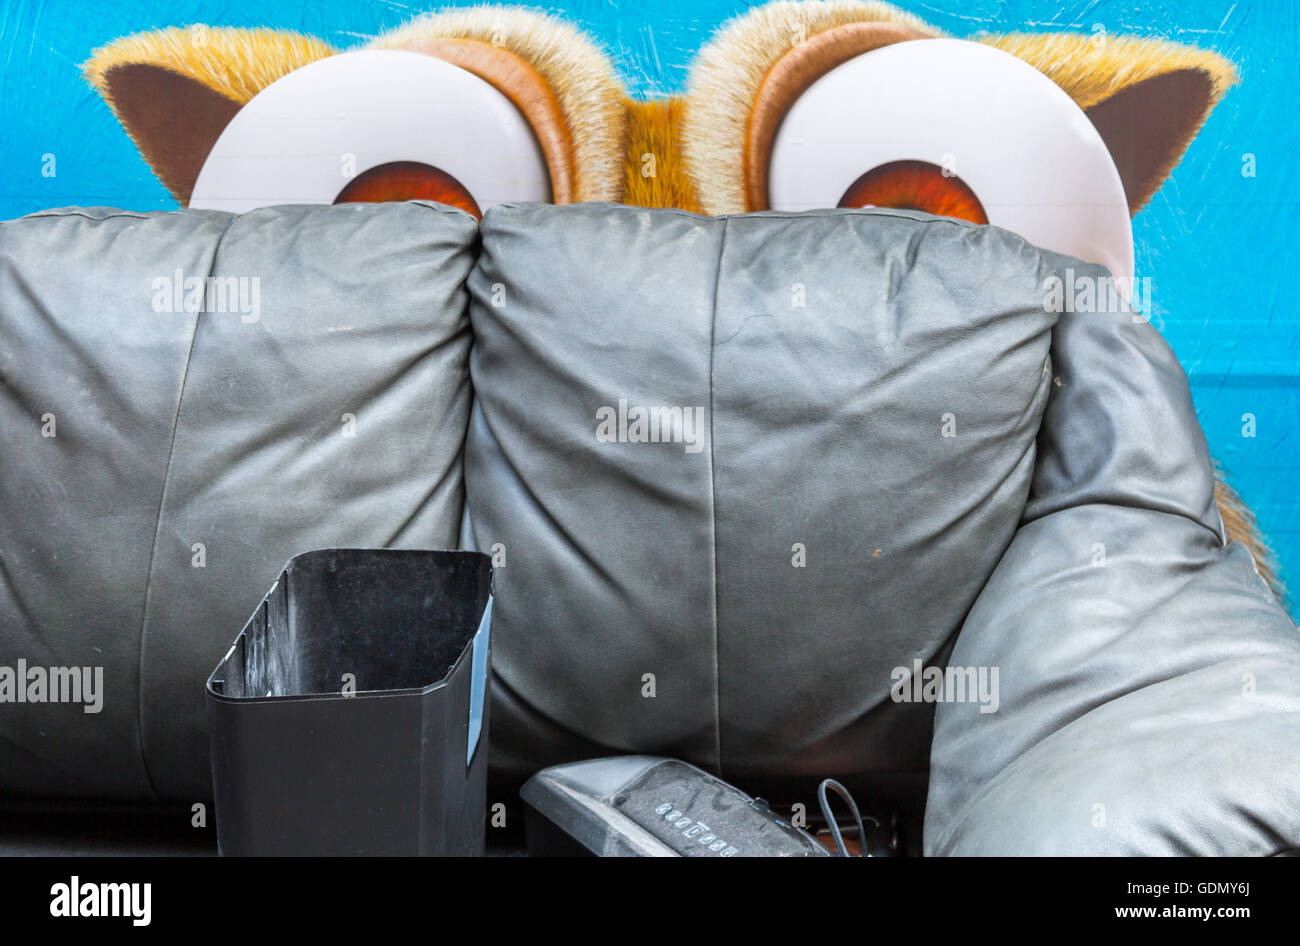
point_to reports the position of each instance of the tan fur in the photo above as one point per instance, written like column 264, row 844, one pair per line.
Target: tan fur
column 727, row 72
column 235, row 63
column 1239, row 524
column 1090, row 70
column 578, row 71
column 652, row 130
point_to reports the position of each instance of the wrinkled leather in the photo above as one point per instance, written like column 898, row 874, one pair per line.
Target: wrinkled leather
column 175, row 429
column 1150, row 682
column 1148, row 697
column 825, row 349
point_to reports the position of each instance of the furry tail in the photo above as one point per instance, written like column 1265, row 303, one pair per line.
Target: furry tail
column 1239, row 523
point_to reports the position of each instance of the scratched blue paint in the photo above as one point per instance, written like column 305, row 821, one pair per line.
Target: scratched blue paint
column 1220, row 247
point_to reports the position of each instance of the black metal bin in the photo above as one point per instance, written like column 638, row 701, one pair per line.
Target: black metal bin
column 350, row 715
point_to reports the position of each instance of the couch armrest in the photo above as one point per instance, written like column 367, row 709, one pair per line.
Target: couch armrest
column 1149, row 682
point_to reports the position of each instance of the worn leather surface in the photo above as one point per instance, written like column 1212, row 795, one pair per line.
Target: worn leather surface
column 1148, row 688
column 179, row 428
column 1150, row 682
column 825, row 350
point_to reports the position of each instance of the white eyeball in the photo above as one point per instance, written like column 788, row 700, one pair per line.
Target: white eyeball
column 374, row 125
column 984, row 120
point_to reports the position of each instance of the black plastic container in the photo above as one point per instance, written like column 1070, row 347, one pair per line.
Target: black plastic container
column 350, row 715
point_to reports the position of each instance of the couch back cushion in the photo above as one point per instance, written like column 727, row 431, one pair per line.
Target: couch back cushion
column 161, row 464
column 739, row 471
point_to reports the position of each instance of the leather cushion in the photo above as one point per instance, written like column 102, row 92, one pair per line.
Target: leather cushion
column 177, row 429
column 827, row 354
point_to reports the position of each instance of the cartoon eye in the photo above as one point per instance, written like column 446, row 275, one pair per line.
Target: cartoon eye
column 408, row 180
column 375, row 125
column 959, row 129
column 918, row 185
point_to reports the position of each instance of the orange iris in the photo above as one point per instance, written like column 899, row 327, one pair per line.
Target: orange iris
column 408, row 180
column 915, row 185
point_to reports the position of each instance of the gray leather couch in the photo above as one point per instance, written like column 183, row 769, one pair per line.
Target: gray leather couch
column 785, row 495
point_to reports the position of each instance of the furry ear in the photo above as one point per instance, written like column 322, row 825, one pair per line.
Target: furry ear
column 175, row 90
column 1147, row 98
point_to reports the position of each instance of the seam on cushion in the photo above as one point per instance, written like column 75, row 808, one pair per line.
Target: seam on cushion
column 447, row 211
column 162, row 499
column 77, row 212
column 895, row 212
column 713, row 509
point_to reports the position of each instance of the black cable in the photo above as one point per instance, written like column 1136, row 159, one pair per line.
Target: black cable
column 830, row 818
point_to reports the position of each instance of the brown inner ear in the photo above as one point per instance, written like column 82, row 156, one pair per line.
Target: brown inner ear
column 1148, row 125
column 516, row 79
column 173, row 120
column 790, row 78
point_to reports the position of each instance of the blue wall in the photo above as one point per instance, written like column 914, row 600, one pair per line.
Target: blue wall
column 1220, row 247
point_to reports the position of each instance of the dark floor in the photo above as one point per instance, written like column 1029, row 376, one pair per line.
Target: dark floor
column 106, row 832
column 89, row 833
